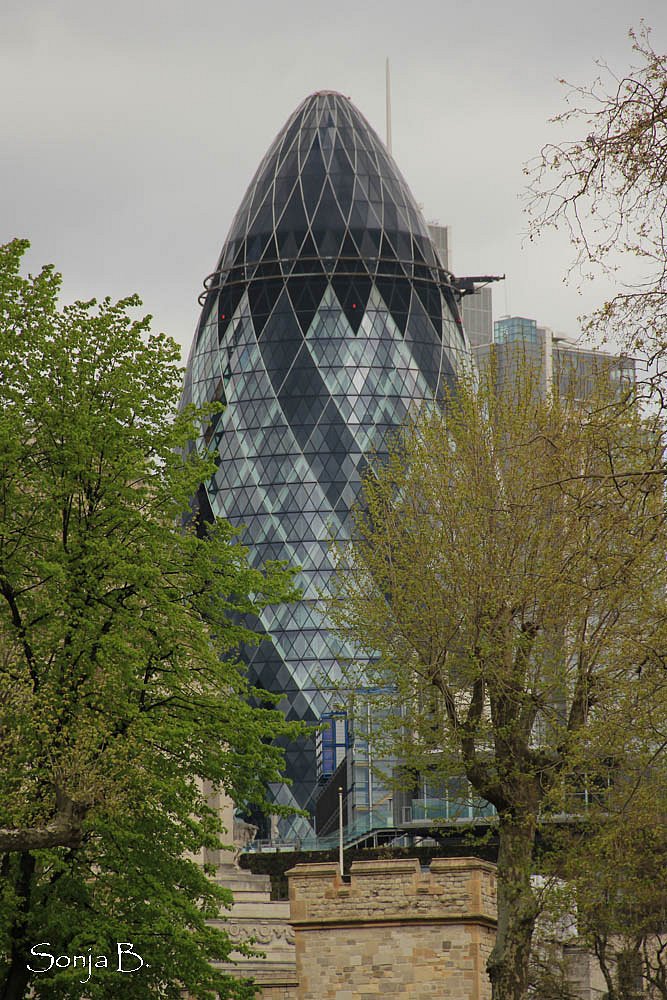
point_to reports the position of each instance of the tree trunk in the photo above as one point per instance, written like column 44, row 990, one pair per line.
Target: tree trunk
column 517, row 908
column 14, row 985
column 628, row 973
column 601, row 953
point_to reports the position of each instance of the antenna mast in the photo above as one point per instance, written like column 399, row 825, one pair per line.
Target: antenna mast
column 388, row 92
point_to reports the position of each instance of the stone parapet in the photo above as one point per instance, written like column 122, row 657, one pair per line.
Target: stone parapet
column 392, row 930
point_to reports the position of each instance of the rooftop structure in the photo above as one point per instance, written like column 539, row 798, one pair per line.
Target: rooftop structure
column 476, row 308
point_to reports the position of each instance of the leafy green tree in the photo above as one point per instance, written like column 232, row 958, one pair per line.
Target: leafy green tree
column 120, row 686
column 607, row 188
column 504, row 587
column 613, row 887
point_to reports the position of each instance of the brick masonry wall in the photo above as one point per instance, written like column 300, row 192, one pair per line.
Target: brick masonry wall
column 393, row 930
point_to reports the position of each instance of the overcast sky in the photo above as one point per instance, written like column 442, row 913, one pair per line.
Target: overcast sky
column 131, row 129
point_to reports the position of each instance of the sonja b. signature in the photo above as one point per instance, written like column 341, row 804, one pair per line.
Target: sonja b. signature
column 123, row 960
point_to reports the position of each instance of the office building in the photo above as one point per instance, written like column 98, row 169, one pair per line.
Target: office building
column 326, row 318
column 562, row 361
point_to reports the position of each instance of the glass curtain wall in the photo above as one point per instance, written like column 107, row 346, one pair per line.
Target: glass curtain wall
column 327, row 317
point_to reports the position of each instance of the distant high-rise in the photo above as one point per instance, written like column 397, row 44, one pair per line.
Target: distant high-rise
column 561, row 361
column 327, row 317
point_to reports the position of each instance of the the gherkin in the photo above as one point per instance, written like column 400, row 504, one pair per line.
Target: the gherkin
column 326, row 317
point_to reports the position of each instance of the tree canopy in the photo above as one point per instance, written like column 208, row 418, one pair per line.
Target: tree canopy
column 607, row 188
column 120, row 687
column 614, row 867
column 504, row 588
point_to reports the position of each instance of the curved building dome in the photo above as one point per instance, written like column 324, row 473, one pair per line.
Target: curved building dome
column 328, row 315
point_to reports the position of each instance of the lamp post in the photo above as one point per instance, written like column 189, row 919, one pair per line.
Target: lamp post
column 340, row 830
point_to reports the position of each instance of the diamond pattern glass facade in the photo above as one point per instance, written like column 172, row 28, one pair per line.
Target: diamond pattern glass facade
column 327, row 316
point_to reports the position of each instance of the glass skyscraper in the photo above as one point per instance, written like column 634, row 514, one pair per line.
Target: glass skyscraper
column 327, row 317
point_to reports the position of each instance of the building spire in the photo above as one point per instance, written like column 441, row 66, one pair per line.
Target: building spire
column 388, row 93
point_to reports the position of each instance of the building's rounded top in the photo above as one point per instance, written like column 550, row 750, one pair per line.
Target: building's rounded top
column 328, row 200
column 327, row 186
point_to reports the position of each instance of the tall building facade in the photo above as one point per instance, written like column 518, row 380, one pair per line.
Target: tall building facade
column 327, row 317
